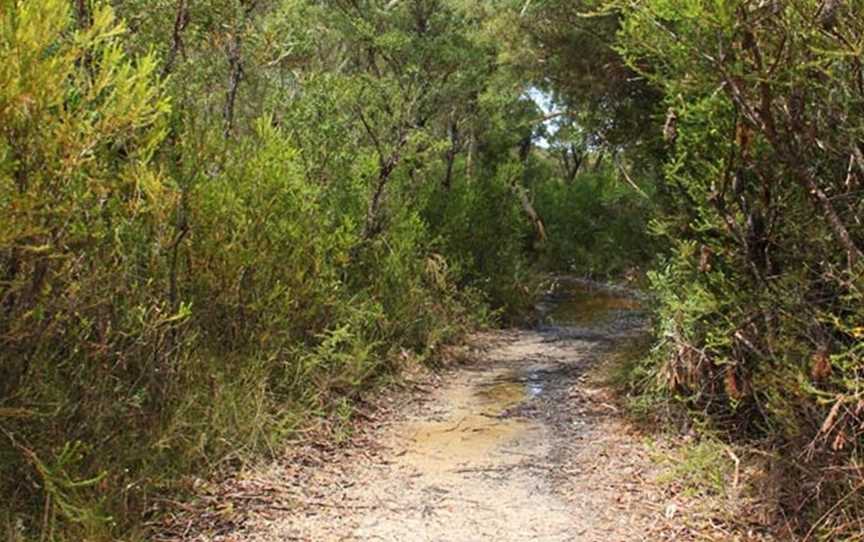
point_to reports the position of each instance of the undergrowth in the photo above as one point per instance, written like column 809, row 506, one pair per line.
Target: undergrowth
column 222, row 220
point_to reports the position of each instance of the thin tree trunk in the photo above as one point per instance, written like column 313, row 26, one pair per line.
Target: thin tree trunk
column 472, row 156
column 598, row 162
column 451, row 154
column 181, row 20
column 519, row 187
column 627, row 178
column 528, row 207
column 574, row 171
column 236, row 75
column 373, row 213
column 571, row 161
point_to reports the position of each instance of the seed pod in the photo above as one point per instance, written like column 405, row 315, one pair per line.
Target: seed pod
column 705, row 254
column 670, row 129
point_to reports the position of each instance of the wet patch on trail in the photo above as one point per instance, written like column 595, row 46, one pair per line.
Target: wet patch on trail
column 579, row 303
column 492, row 410
column 473, row 427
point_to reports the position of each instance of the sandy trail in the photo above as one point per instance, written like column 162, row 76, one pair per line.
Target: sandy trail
column 483, row 457
column 522, row 443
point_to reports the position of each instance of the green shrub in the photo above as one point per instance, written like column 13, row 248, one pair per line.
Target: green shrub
column 484, row 233
column 596, row 224
column 760, row 297
column 86, row 336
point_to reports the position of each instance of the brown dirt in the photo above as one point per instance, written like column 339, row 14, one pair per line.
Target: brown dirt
column 523, row 443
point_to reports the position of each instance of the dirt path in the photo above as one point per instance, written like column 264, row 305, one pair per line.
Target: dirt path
column 521, row 444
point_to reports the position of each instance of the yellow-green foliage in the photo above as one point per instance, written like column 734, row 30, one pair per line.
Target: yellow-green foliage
column 83, row 220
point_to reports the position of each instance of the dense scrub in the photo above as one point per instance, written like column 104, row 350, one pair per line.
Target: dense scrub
column 760, row 297
column 222, row 218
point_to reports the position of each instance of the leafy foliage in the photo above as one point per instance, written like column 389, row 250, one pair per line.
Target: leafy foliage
column 761, row 293
column 596, row 224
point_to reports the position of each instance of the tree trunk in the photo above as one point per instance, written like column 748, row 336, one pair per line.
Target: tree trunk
column 181, row 20
column 236, row 74
column 519, row 187
column 528, row 207
column 598, row 162
column 373, row 213
column 853, row 253
column 453, row 131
